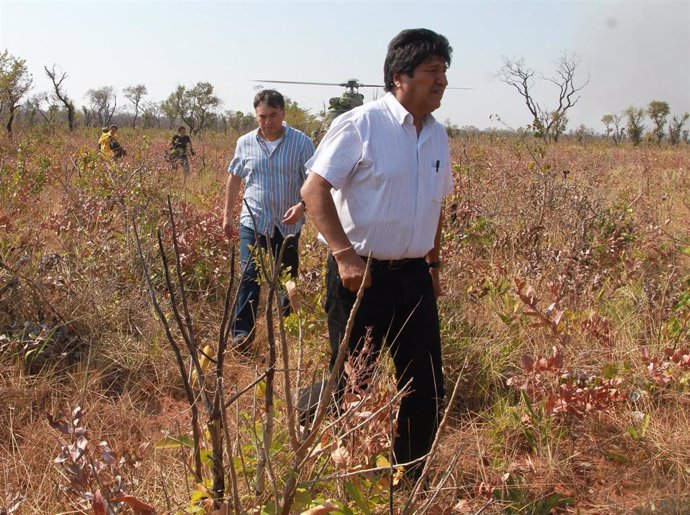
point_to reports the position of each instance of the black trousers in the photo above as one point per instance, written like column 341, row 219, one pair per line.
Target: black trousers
column 399, row 311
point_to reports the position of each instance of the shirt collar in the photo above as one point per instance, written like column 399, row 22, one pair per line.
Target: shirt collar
column 400, row 113
column 285, row 133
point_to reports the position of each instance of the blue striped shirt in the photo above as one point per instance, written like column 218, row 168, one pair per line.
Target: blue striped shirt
column 272, row 179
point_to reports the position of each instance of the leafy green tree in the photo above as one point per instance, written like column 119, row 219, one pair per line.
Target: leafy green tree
column 195, row 106
column 15, row 82
column 634, row 127
column 134, row 94
column 238, row 122
column 675, row 128
column 174, row 105
column 300, row 118
column 452, row 129
column 658, row 111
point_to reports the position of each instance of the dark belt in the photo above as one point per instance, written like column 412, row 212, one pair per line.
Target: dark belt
column 392, row 264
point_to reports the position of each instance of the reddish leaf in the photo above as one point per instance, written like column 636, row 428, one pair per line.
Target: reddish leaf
column 527, row 363
column 59, row 425
column 98, row 504
column 139, row 507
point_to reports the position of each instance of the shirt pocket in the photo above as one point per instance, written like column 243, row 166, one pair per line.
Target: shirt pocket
column 438, row 180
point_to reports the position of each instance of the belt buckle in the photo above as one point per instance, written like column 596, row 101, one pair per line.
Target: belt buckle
column 396, row 264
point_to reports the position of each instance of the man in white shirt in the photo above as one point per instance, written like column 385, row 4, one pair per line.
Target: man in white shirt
column 376, row 186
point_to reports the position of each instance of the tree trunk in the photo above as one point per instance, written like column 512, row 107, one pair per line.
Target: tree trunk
column 10, row 119
column 70, row 116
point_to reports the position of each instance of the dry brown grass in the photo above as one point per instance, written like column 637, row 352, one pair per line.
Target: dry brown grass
column 598, row 230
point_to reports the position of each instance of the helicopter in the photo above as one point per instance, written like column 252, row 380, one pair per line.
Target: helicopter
column 350, row 98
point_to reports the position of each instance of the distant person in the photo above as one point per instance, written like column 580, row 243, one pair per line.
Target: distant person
column 179, row 146
column 104, row 130
column 109, row 145
column 270, row 160
column 375, row 188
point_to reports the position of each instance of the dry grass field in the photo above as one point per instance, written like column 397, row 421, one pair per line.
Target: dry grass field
column 565, row 324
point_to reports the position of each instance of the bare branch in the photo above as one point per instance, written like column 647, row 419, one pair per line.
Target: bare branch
column 196, row 433
column 60, row 94
column 548, row 123
column 409, row 506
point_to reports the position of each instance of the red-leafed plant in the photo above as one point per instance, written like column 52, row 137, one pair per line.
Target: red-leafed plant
column 95, row 475
column 547, row 380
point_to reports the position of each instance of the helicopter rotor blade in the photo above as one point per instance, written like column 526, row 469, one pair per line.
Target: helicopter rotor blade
column 341, row 84
column 299, row 82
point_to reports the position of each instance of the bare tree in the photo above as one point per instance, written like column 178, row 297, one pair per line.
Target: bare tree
column 134, row 94
column 60, row 94
column 675, row 128
column 607, row 120
column 583, row 133
column 34, row 105
column 88, row 114
column 548, row 123
column 618, row 128
column 152, row 114
column 15, row 81
column 103, row 103
column 614, row 127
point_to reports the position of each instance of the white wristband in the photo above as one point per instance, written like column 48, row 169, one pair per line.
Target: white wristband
column 336, row 252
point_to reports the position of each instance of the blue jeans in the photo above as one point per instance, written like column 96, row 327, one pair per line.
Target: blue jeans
column 248, row 298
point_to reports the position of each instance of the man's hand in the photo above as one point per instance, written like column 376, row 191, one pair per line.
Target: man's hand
column 229, row 228
column 351, row 268
column 436, row 281
column 293, row 215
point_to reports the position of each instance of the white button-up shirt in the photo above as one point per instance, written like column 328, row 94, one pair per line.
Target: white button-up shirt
column 388, row 183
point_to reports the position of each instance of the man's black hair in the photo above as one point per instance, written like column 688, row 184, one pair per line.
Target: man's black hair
column 411, row 48
column 181, row 127
column 270, row 97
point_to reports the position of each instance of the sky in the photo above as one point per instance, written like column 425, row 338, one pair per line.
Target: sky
column 631, row 52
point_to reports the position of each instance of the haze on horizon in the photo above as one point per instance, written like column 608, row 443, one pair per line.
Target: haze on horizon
column 631, row 51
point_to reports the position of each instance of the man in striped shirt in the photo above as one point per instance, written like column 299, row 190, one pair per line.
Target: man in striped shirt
column 375, row 187
column 271, row 161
